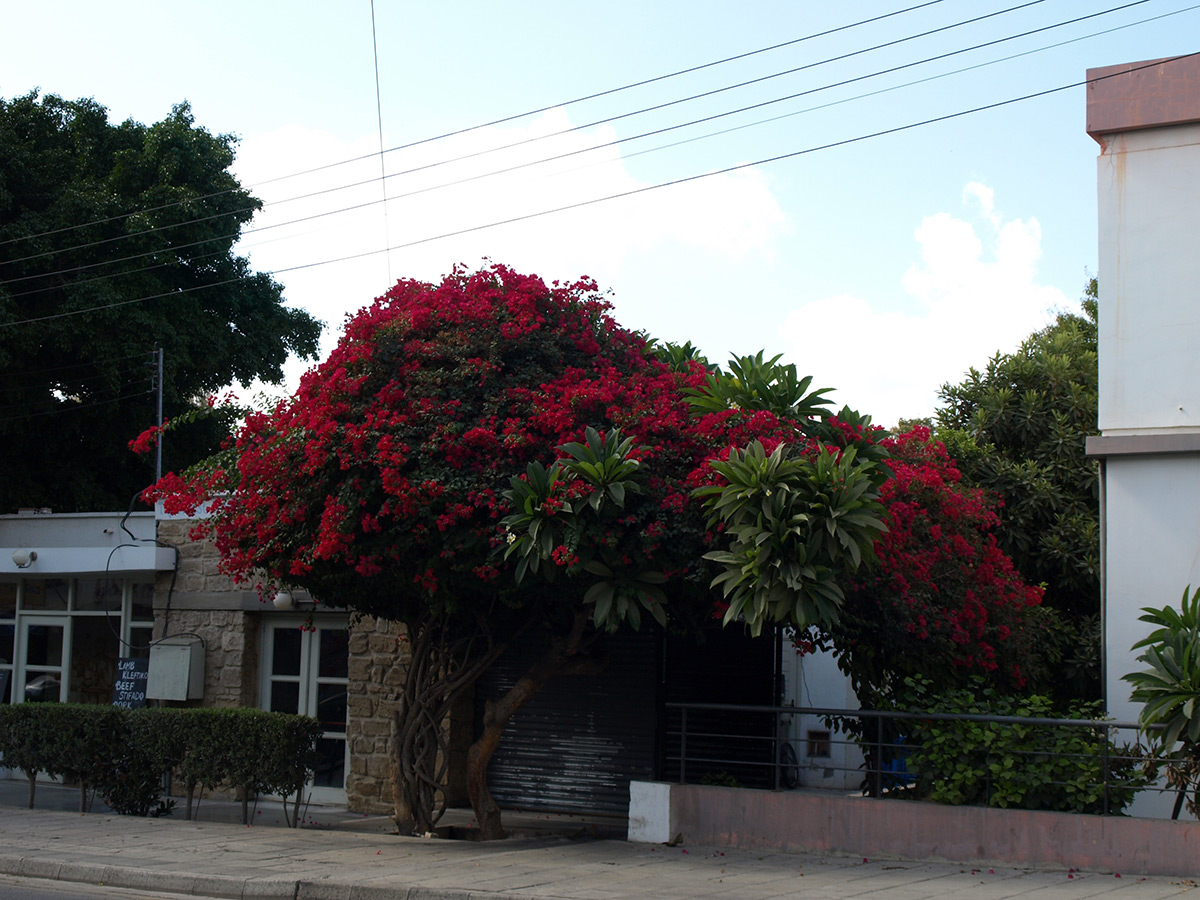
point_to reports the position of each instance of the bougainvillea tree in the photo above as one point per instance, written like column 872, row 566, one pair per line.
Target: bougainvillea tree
column 942, row 601
column 491, row 456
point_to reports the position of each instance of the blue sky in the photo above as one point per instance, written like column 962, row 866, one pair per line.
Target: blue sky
column 884, row 267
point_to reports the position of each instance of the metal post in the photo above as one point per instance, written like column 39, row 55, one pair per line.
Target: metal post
column 158, row 352
column 879, row 756
column 777, row 747
column 1103, row 733
column 683, row 746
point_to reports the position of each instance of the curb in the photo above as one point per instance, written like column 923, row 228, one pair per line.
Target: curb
column 230, row 887
column 225, row 886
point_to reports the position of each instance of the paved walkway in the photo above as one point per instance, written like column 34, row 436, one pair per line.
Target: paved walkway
column 349, row 858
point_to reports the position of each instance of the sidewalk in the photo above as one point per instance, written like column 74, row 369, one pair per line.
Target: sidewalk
column 350, row 858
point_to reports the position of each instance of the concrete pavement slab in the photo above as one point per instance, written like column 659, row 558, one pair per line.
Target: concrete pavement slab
column 225, row 859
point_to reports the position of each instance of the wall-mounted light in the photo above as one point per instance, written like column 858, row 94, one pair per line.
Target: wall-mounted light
column 283, row 600
column 22, row 558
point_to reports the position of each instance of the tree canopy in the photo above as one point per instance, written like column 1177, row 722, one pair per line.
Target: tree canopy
column 489, row 455
column 1018, row 430
column 943, row 601
column 115, row 239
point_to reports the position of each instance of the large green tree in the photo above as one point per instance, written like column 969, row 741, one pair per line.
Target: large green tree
column 115, row 239
column 1018, row 429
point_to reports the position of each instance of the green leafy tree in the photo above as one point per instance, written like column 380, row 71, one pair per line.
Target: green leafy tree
column 1018, row 429
column 115, row 238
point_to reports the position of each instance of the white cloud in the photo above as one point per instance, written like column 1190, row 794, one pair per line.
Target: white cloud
column 977, row 292
column 729, row 215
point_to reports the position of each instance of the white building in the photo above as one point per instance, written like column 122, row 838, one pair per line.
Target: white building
column 1146, row 118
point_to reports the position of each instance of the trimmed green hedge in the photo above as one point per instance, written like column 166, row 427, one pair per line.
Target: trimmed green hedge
column 125, row 755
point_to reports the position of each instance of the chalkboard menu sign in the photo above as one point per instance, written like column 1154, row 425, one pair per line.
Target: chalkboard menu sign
column 129, row 692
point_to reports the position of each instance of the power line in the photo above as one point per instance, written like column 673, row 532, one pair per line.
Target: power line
column 501, row 121
column 519, row 166
column 678, row 181
column 592, row 124
column 127, row 375
column 908, row 84
column 75, row 407
column 387, row 235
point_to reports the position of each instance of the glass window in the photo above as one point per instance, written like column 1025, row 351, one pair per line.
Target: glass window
column 8, row 599
column 331, row 706
column 139, row 643
column 98, row 593
column 335, row 646
column 331, row 763
column 7, row 633
column 285, row 651
column 45, row 645
column 45, row 593
column 285, row 696
column 143, row 601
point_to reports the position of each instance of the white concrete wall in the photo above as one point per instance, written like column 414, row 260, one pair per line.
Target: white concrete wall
column 70, row 544
column 1149, row 206
column 814, row 680
column 1149, row 349
column 1153, row 538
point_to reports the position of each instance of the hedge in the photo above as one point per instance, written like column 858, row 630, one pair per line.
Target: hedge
column 126, row 755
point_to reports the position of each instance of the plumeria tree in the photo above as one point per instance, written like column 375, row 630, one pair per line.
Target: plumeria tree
column 489, row 457
column 942, row 601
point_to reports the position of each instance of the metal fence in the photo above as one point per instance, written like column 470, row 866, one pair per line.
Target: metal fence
column 880, row 751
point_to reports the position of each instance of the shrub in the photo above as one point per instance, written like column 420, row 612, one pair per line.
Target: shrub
column 1022, row 765
column 126, row 754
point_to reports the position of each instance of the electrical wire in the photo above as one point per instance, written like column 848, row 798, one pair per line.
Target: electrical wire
column 560, row 156
column 501, row 121
column 907, row 84
column 74, row 408
column 642, row 190
column 573, row 129
column 128, row 379
column 717, row 133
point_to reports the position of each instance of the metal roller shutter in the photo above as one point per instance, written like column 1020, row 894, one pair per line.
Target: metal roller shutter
column 579, row 741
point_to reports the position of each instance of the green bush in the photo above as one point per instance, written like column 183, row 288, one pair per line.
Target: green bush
column 126, row 755
column 1015, row 765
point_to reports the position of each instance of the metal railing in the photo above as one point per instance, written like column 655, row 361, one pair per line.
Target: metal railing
column 752, row 746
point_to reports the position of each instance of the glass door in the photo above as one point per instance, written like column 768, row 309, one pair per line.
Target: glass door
column 45, row 647
column 305, row 672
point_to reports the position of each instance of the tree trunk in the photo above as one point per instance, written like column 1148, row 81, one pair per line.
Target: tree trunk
column 562, row 657
column 445, row 658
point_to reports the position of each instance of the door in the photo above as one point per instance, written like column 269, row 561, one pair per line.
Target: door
column 304, row 671
column 44, row 649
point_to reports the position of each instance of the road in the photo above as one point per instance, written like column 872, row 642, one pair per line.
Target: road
column 40, row 889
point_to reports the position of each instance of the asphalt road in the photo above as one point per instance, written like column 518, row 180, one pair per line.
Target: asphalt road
column 38, row 889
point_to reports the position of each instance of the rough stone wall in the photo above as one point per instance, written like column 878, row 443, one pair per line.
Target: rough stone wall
column 378, row 663
column 198, row 561
column 378, row 656
column 229, row 632
column 230, row 652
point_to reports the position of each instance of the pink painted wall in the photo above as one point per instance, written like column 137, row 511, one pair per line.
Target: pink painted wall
column 807, row 821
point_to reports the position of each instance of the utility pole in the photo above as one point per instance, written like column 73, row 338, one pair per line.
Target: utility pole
column 158, row 353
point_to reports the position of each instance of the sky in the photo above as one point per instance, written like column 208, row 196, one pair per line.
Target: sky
column 872, row 198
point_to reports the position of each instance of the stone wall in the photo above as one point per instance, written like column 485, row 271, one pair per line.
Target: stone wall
column 378, row 663
column 378, row 656
column 198, row 562
column 207, row 604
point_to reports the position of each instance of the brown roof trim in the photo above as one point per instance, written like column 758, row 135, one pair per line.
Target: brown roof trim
column 1149, row 94
column 1143, row 444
